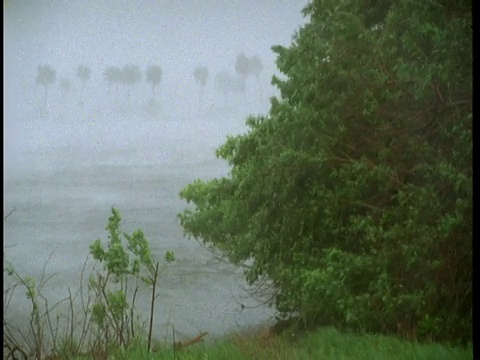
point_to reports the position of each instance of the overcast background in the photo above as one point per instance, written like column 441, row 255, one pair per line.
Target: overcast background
column 66, row 165
column 177, row 35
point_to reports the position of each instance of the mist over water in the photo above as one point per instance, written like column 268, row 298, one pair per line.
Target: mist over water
column 68, row 162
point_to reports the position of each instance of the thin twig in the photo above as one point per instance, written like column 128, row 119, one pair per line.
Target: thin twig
column 152, row 305
column 174, row 348
column 185, row 343
column 10, row 213
column 132, row 310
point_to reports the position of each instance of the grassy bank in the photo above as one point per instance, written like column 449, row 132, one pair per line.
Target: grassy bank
column 326, row 343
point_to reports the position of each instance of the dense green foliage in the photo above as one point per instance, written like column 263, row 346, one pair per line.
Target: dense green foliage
column 354, row 194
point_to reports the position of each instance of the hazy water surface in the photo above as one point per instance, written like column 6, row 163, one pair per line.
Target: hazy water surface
column 62, row 193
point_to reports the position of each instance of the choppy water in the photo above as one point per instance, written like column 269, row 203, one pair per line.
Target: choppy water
column 63, row 173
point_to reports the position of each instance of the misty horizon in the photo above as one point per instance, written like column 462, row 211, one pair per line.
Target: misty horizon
column 177, row 36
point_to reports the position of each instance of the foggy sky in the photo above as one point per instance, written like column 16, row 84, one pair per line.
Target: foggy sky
column 177, row 35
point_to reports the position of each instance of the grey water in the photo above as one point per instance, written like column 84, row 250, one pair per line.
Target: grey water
column 68, row 161
column 63, row 191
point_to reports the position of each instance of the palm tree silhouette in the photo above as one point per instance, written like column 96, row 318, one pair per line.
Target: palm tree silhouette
column 154, row 77
column 84, row 73
column 255, row 68
column 112, row 75
column 65, row 86
column 46, row 76
column 201, row 76
column 242, row 67
column 131, row 75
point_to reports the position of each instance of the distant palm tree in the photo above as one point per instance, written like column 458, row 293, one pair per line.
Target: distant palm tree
column 242, row 66
column 46, row 76
column 153, row 77
column 131, row 75
column 84, row 73
column 66, row 86
column 201, row 76
column 222, row 83
column 255, row 68
column 245, row 66
column 229, row 84
column 112, row 75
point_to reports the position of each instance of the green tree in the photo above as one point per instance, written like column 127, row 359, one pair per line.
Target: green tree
column 126, row 257
column 354, row 195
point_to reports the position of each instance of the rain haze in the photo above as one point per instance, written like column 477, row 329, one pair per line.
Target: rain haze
column 76, row 147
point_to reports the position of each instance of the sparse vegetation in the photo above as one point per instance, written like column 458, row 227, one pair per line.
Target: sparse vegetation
column 108, row 318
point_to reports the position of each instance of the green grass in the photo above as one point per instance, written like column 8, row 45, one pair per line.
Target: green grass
column 326, row 343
